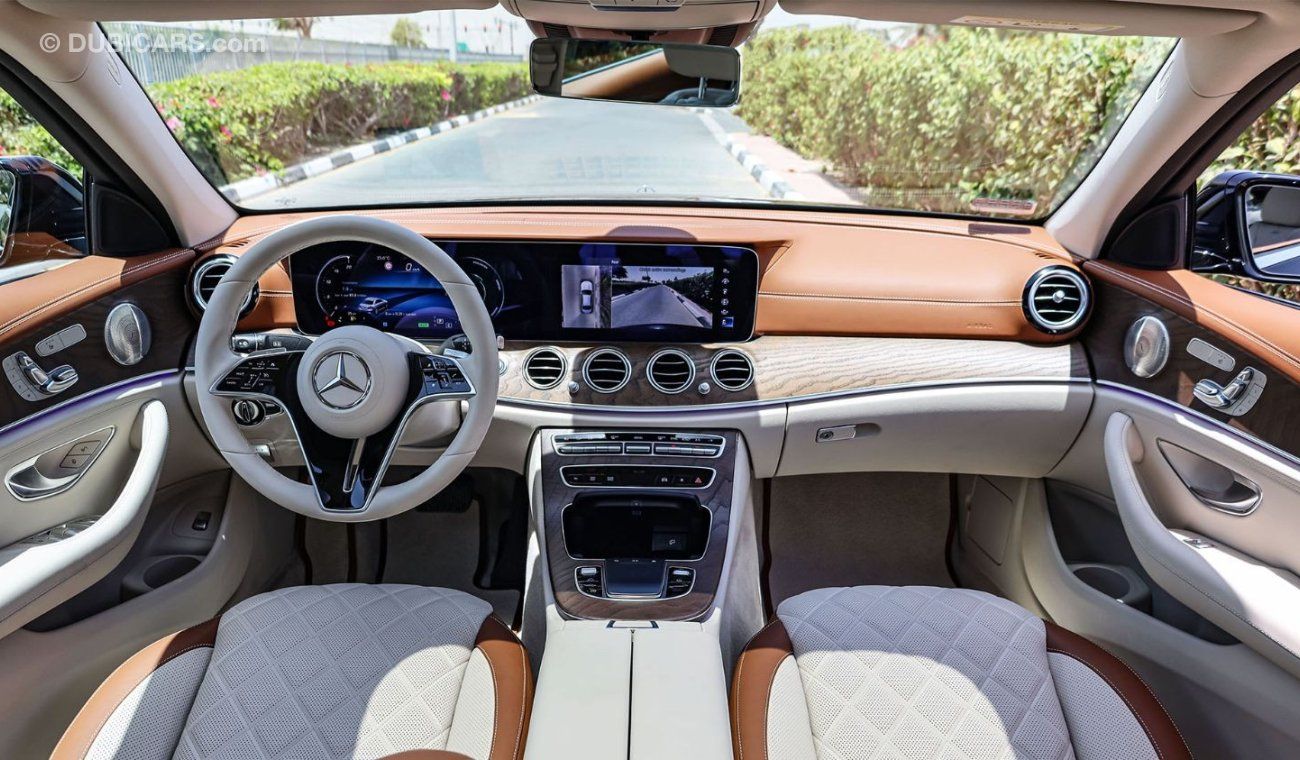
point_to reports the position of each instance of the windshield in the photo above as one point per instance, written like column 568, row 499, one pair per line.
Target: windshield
column 436, row 107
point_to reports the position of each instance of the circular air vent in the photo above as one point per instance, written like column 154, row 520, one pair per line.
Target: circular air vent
column 1056, row 299
column 204, row 279
column 544, row 368
column 607, row 370
column 732, row 370
column 670, row 371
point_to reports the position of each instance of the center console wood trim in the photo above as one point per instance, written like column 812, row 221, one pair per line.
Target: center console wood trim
column 556, row 495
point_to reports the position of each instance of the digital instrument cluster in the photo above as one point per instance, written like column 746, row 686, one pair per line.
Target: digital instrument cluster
column 536, row 290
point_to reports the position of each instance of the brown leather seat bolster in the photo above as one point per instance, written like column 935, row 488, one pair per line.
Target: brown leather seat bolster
column 751, row 688
column 512, row 680
column 1151, row 715
column 81, row 733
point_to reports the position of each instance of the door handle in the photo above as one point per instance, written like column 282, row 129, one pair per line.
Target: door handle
column 59, row 468
column 1238, row 499
column 1214, row 485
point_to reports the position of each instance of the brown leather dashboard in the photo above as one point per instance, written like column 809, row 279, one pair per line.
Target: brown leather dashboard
column 821, row 273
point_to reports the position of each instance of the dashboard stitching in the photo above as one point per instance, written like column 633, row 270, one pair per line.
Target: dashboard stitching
column 15, row 322
column 892, row 299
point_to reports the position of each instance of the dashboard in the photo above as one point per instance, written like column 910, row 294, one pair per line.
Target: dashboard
column 536, row 291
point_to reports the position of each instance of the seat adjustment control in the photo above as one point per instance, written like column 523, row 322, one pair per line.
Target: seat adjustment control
column 1237, row 397
column 32, row 382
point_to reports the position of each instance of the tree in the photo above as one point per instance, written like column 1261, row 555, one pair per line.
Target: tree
column 300, row 25
column 408, row 34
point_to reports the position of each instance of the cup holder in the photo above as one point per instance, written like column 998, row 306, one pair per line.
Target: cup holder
column 1115, row 581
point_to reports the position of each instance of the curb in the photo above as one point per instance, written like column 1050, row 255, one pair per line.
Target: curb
column 254, row 186
column 771, row 181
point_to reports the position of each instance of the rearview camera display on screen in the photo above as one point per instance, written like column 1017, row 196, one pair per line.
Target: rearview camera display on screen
column 604, row 296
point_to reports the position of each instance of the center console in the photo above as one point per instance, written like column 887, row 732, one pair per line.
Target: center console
column 635, row 528
column 636, row 521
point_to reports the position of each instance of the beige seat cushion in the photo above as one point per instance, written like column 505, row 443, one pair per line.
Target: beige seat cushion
column 339, row 671
column 920, row 672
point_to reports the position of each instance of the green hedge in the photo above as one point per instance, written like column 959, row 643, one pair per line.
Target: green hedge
column 20, row 135
column 932, row 124
column 259, row 119
column 1271, row 144
column 237, row 124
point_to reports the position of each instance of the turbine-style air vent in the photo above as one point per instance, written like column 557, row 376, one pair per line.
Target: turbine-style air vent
column 670, row 371
column 607, row 370
column 732, row 370
column 204, row 280
column 1056, row 299
column 544, row 368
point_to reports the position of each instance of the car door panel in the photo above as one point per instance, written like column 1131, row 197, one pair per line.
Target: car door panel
column 1236, row 570
column 38, row 572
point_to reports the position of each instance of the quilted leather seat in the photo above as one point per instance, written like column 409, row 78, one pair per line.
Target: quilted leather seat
column 339, row 671
column 919, row 672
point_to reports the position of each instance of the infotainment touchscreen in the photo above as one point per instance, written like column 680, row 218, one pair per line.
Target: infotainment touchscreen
column 537, row 291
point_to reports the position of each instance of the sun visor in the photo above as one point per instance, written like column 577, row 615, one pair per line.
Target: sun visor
column 1117, row 17
column 205, row 10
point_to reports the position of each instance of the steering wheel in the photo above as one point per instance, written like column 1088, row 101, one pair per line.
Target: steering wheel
column 349, row 395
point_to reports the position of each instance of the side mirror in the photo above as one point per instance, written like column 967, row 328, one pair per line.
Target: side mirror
column 636, row 72
column 1248, row 223
column 42, row 212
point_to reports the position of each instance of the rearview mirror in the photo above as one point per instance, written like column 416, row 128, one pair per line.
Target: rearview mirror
column 636, row 72
column 1248, row 223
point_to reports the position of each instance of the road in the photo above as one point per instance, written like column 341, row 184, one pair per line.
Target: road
column 548, row 149
column 657, row 305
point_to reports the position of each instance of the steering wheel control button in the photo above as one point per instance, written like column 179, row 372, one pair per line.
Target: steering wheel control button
column 442, row 375
column 259, row 374
column 341, row 379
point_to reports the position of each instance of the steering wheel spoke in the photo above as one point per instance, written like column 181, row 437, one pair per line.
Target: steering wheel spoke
column 347, row 473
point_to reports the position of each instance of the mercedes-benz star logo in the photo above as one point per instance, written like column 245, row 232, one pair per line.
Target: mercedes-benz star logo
column 341, row 379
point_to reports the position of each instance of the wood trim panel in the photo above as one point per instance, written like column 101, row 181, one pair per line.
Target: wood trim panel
column 820, row 273
column 1275, row 419
column 161, row 297
column 1268, row 329
column 788, row 367
column 708, row 570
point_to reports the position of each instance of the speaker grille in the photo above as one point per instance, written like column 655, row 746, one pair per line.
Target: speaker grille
column 127, row 335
